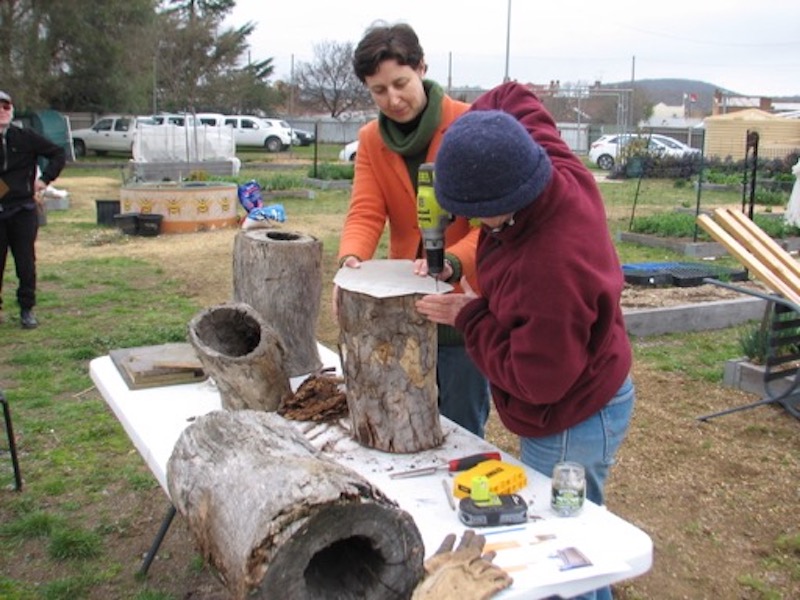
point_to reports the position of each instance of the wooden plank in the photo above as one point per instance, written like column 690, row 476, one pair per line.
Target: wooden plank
column 743, row 234
column 151, row 366
column 761, row 272
column 779, row 252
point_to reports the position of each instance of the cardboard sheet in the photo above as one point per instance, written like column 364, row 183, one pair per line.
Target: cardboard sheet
column 388, row 279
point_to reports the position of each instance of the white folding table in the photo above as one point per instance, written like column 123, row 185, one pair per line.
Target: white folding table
column 154, row 418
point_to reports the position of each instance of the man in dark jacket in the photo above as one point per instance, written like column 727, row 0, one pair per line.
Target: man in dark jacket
column 20, row 198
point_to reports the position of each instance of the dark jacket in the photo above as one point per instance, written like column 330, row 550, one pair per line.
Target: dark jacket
column 548, row 332
column 19, row 151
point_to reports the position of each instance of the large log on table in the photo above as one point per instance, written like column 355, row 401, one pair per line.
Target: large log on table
column 389, row 364
column 242, row 354
column 278, row 520
column 279, row 273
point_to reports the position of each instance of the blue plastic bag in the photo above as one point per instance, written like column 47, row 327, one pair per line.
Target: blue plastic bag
column 250, row 195
column 264, row 216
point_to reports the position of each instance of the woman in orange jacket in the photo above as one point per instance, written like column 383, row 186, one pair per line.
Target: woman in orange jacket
column 414, row 114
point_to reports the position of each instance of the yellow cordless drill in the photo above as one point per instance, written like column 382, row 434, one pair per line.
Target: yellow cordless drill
column 432, row 219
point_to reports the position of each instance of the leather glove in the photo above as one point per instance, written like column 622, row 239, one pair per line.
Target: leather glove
column 461, row 574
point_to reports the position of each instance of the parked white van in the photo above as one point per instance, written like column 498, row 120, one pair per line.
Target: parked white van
column 273, row 134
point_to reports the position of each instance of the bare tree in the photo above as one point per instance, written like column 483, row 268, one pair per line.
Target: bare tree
column 329, row 83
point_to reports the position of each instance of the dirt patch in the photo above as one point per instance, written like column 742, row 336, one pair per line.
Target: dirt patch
column 716, row 498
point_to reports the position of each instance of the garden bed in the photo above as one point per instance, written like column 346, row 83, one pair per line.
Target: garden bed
column 694, row 249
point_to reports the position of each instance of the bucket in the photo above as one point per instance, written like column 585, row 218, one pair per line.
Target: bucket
column 149, row 225
column 127, row 222
column 106, row 209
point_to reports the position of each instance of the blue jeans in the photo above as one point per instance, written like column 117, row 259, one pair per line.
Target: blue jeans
column 592, row 443
column 463, row 390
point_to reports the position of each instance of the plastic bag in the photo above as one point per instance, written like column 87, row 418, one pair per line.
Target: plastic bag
column 250, row 195
column 264, row 216
column 792, row 214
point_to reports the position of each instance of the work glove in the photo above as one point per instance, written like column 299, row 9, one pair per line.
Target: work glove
column 461, row 574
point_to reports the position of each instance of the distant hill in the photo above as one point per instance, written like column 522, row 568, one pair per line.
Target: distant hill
column 671, row 91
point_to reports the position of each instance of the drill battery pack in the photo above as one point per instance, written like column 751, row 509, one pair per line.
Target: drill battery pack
column 505, row 509
column 503, row 478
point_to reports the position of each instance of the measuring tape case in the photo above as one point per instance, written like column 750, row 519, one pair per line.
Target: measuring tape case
column 511, row 509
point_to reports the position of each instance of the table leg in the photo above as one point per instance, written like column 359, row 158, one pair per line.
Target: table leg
column 12, row 444
column 159, row 538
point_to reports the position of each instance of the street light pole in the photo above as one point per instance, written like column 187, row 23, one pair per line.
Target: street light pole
column 508, row 41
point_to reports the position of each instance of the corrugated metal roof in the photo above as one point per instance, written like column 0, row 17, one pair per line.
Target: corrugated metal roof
column 750, row 114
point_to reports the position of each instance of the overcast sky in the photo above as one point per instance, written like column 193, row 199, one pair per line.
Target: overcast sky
column 750, row 47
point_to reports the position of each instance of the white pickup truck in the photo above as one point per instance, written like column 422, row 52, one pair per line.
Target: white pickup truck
column 272, row 134
column 113, row 133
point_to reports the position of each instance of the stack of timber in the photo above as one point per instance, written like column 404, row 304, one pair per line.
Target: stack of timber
column 763, row 256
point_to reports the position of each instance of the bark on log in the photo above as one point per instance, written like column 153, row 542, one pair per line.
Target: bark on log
column 389, row 356
column 278, row 520
column 279, row 273
column 242, row 354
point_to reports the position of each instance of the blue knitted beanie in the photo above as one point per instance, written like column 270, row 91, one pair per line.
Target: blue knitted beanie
column 489, row 165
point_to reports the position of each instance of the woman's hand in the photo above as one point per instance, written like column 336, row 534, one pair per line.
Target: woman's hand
column 444, row 308
column 421, row 269
column 351, row 262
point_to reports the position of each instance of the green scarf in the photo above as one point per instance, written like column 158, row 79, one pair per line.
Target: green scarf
column 418, row 140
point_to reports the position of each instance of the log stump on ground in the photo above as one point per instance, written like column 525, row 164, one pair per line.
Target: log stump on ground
column 279, row 273
column 389, row 355
column 242, row 354
column 278, row 520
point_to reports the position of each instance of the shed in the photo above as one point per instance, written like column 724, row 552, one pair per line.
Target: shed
column 51, row 124
column 726, row 135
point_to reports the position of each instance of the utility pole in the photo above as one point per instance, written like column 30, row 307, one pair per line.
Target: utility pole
column 508, row 41
column 155, row 82
column 633, row 87
column 291, row 88
column 449, row 72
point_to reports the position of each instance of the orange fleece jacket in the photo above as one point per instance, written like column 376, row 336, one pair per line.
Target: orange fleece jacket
column 382, row 190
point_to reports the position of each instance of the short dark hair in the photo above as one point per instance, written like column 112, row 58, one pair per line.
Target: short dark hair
column 385, row 42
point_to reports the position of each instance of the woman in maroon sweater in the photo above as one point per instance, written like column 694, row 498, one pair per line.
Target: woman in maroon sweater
column 547, row 329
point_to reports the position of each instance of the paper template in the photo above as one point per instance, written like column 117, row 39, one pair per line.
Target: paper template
column 388, row 279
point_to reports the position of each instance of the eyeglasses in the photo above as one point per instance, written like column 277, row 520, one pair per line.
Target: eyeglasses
column 6, row 105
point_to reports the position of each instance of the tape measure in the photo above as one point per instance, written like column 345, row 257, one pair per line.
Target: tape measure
column 485, row 509
column 503, row 478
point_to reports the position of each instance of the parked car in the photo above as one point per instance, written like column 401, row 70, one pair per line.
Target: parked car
column 273, row 134
column 113, row 133
column 349, row 151
column 674, row 147
column 179, row 119
column 301, row 137
column 212, row 119
column 605, row 151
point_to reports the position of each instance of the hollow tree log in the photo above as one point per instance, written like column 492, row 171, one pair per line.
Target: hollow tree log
column 278, row 520
column 242, row 354
column 389, row 356
column 279, row 273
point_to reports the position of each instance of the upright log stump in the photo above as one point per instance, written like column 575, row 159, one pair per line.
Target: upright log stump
column 389, row 356
column 279, row 273
column 242, row 354
column 278, row 520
